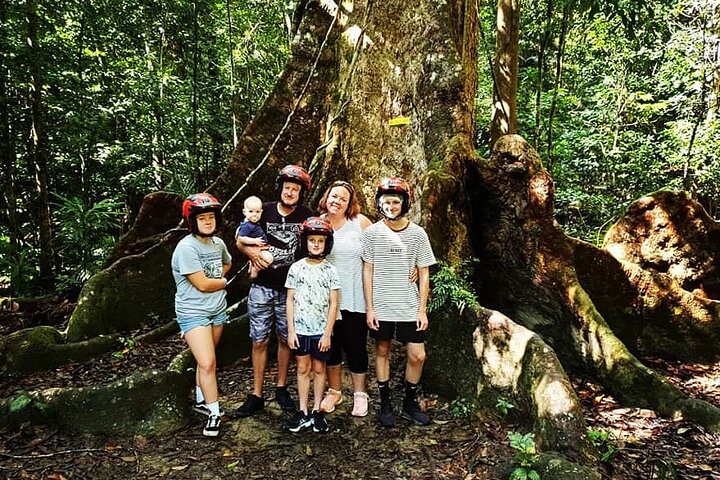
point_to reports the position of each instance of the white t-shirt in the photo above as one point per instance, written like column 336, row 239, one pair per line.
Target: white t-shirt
column 312, row 285
column 347, row 259
column 394, row 255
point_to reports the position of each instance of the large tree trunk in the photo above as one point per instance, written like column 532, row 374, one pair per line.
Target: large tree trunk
column 528, row 271
column 355, row 70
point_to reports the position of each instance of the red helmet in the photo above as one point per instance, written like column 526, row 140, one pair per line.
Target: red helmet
column 199, row 203
column 397, row 186
column 295, row 174
column 315, row 226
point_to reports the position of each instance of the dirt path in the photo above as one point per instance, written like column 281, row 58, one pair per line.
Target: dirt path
column 258, row 447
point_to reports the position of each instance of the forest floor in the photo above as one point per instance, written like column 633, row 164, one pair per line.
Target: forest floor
column 641, row 445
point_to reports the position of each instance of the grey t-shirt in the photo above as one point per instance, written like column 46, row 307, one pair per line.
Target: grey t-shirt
column 394, row 255
column 190, row 256
column 312, row 285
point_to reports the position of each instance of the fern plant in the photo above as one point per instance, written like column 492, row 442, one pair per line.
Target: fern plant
column 450, row 285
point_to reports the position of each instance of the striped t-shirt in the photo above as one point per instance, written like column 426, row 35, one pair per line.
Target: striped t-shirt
column 394, row 255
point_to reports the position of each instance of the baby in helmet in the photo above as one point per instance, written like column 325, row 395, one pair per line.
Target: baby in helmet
column 312, row 306
column 250, row 232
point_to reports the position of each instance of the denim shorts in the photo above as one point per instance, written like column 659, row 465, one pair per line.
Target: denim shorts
column 266, row 306
column 187, row 323
column 310, row 345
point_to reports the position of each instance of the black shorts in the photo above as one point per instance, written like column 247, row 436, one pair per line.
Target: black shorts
column 405, row 332
column 310, row 345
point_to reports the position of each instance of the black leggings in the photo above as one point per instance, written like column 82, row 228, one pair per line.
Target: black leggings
column 350, row 335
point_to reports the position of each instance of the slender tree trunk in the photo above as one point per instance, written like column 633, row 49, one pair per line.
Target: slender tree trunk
column 194, row 150
column 7, row 138
column 158, row 140
column 231, row 46
column 541, row 70
column 564, row 26
column 38, row 135
column 504, row 115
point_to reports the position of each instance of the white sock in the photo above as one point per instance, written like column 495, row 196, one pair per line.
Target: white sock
column 198, row 395
column 214, row 408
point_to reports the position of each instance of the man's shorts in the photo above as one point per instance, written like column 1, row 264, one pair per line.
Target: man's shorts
column 187, row 323
column 266, row 306
column 310, row 345
column 404, row 332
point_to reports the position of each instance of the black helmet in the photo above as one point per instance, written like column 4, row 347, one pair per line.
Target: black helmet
column 315, row 226
column 199, row 203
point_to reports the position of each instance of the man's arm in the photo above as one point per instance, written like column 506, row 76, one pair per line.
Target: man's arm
column 368, row 269
column 252, row 253
column 424, row 287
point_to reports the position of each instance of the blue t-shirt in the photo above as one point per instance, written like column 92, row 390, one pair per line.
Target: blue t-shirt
column 190, row 256
column 250, row 229
column 312, row 285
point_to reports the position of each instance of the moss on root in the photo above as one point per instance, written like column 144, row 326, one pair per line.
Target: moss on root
column 44, row 347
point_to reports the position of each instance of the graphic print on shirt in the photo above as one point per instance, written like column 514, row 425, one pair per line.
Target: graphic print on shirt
column 212, row 264
column 282, row 248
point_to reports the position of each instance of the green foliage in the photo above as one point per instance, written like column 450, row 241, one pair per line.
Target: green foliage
column 450, row 286
column 128, row 345
column 605, row 443
column 17, row 268
column 525, row 456
column 504, row 406
column 19, row 402
column 84, row 234
column 463, row 407
column 634, row 110
column 138, row 97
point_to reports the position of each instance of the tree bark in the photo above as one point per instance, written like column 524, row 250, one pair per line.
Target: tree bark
column 529, row 273
column 504, row 114
column 39, row 140
column 7, row 138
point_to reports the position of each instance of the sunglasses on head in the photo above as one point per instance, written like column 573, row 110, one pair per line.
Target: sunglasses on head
column 343, row 183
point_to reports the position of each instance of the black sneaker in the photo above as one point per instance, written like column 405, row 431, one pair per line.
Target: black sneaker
column 300, row 420
column 412, row 412
column 386, row 417
column 212, row 426
column 252, row 404
column 202, row 409
column 283, row 398
column 319, row 423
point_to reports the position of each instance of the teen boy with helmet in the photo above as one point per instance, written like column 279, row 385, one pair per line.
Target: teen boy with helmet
column 281, row 223
column 395, row 306
column 199, row 264
column 313, row 289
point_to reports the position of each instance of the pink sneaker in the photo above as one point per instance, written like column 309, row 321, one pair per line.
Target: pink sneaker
column 332, row 397
column 360, row 404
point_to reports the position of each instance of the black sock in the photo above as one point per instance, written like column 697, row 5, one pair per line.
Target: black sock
column 410, row 391
column 384, row 389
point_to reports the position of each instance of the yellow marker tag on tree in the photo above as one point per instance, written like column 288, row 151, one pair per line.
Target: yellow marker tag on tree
column 398, row 121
